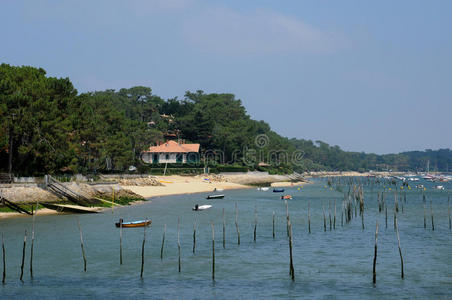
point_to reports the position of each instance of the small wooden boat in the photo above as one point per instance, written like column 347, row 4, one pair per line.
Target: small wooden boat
column 286, row 197
column 215, row 196
column 278, row 190
column 141, row 223
column 201, row 207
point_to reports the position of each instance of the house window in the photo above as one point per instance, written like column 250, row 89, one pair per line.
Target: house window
column 167, row 156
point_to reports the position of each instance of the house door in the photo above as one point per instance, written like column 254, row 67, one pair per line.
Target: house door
column 155, row 159
column 179, row 158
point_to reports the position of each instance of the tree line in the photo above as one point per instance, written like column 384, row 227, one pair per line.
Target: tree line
column 47, row 127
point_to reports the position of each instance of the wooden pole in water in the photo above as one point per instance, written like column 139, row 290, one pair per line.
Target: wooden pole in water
column 309, row 216
column 237, row 224
column 329, row 214
column 163, row 242
column 178, row 242
column 120, row 241
column 291, row 268
column 4, row 260
column 255, row 222
column 431, row 213
column 273, row 224
column 400, row 251
column 334, row 220
column 81, row 244
column 448, row 202
column 324, row 217
column 224, row 231
column 375, row 255
column 194, row 237
column 425, row 217
column 142, row 252
column 425, row 210
column 23, row 257
column 32, row 241
column 287, row 217
column 386, row 216
column 213, row 252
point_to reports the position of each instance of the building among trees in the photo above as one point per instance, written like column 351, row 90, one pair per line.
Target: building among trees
column 172, row 152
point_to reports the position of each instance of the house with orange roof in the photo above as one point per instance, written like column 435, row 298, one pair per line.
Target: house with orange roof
column 172, row 152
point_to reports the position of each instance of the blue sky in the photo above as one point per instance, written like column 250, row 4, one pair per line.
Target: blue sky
column 372, row 76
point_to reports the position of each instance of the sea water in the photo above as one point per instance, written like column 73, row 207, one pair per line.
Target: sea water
column 332, row 264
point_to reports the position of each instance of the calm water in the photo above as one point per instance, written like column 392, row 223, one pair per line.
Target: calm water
column 333, row 264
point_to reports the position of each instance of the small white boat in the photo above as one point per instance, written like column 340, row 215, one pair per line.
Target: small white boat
column 420, row 186
column 218, row 189
column 264, row 189
column 201, row 207
column 439, row 187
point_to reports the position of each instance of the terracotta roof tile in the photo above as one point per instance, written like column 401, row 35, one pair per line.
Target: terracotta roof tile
column 174, row 147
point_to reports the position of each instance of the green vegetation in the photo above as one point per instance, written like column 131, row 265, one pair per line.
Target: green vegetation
column 52, row 129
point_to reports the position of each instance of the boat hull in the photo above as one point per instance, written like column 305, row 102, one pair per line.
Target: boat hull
column 134, row 224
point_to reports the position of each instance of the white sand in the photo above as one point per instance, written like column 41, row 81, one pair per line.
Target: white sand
column 175, row 185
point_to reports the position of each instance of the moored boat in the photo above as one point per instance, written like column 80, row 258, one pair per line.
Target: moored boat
column 278, row 190
column 221, row 196
column 140, row 223
column 201, row 207
column 286, row 197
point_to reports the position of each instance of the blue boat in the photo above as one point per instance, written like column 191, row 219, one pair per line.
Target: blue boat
column 278, row 190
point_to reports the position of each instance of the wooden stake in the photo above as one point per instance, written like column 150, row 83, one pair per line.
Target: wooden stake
column 224, row 231
column 425, row 217
column 32, row 241
column 448, row 202
column 120, row 241
column 178, row 243
column 309, row 216
column 287, row 217
column 23, row 257
column 329, row 214
column 194, row 237
column 375, row 256
column 81, row 244
column 386, row 216
column 213, row 252
column 291, row 268
column 324, row 217
column 273, row 224
column 400, row 251
column 431, row 213
column 334, row 221
column 255, row 222
column 142, row 252
column 237, row 224
column 163, row 242
column 4, row 260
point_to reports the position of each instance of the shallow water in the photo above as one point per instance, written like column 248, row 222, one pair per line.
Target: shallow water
column 333, row 264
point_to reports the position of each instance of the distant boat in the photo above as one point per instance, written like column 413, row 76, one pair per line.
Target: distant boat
column 215, row 196
column 286, row 197
column 201, row 207
column 413, row 179
column 420, row 186
column 218, row 189
column 263, row 189
column 278, row 190
column 439, row 187
column 141, row 223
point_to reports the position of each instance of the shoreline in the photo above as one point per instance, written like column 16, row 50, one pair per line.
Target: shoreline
column 167, row 186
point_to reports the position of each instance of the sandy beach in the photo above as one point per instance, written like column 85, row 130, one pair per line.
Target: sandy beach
column 175, row 185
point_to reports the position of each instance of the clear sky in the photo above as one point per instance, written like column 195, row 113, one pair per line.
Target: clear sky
column 372, row 76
